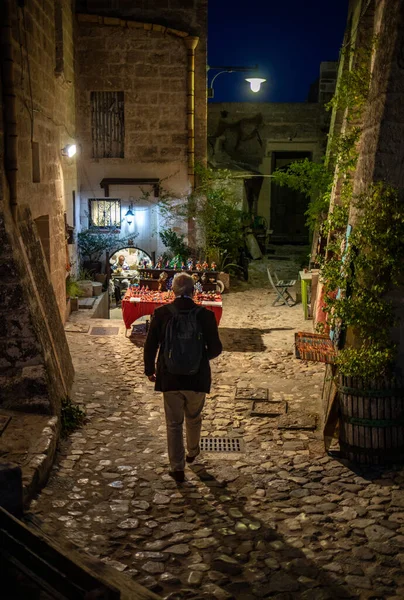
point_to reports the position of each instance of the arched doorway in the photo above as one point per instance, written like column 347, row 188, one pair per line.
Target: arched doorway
column 134, row 257
column 118, row 279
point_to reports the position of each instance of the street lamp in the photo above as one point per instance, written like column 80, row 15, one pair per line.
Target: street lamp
column 255, row 82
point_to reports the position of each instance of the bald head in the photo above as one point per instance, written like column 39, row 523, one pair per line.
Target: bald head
column 183, row 284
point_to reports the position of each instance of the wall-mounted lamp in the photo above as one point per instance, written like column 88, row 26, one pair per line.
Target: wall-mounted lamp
column 129, row 215
column 69, row 150
column 255, row 83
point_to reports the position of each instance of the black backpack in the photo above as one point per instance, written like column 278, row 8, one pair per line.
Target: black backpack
column 183, row 343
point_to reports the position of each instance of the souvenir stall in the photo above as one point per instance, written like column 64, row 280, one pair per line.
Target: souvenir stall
column 154, row 289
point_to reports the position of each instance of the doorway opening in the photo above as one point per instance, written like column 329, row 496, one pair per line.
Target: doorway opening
column 123, row 270
column 288, row 207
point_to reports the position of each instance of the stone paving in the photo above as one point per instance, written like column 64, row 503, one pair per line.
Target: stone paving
column 280, row 520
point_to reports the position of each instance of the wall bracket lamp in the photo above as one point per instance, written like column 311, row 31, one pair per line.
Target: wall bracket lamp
column 129, row 215
column 69, row 150
column 255, row 82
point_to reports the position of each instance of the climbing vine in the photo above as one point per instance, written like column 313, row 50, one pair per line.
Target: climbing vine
column 366, row 267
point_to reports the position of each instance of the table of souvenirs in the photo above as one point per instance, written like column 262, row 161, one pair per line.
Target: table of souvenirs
column 140, row 302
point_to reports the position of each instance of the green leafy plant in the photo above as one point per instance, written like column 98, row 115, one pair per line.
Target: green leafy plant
column 92, row 244
column 175, row 243
column 73, row 289
column 72, row 416
column 215, row 209
column 313, row 180
column 373, row 263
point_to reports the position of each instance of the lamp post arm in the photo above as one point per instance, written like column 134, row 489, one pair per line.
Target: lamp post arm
column 231, row 69
column 217, row 75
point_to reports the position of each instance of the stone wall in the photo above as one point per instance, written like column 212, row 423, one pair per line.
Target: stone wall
column 149, row 64
column 245, row 135
column 36, row 371
column 46, row 116
column 185, row 15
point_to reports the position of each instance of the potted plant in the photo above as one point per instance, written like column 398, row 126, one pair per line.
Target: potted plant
column 73, row 292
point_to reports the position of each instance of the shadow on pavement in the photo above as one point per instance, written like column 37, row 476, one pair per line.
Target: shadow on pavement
column 249, row 552
column 245, row 340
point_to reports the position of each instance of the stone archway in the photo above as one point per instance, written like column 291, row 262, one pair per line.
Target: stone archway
column 109, row 255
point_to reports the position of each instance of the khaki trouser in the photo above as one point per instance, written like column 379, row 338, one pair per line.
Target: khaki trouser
column 176, row 404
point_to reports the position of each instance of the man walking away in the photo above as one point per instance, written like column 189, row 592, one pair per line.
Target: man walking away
column 187, row 337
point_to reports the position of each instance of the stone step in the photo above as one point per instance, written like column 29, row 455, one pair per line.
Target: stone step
column 25, row 383
column 39, row 405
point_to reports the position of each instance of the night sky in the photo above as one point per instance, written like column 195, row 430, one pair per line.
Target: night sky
column 287, row 39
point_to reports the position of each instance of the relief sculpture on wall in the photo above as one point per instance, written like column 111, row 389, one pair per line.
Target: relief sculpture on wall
column 237, row 144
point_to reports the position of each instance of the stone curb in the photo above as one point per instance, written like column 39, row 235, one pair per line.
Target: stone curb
column 36, row 472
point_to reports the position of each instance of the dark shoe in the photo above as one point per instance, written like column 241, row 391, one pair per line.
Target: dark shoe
column 177, row 475
column 190, row 459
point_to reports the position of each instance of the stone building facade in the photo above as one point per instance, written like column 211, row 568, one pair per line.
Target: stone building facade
column 257, row 138
column 56, row 60
column 143, row 55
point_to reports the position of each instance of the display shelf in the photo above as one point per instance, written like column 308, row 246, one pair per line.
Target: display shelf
column 153, row 282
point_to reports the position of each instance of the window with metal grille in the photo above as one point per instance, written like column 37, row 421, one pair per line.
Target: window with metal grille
column 107, row 123
column 104, row 213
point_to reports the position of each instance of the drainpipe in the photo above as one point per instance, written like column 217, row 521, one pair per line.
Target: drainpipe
column 9, row 105
column 191, row 43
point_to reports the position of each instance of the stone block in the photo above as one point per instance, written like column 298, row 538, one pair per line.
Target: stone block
column 11, row 498
column 87, row 18
column 147, row 84
column 171, row 152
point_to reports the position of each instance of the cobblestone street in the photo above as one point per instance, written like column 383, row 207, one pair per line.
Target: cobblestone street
column 280, row 519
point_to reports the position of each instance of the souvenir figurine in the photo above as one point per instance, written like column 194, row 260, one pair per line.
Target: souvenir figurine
column 190, row 264
column 205, row 266
column 182, row 266
column 162, row 281
column 168, row 264
column 213, row 266
column 198, row 266
column 195, row 277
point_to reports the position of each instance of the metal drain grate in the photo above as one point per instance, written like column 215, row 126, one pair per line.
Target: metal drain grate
column 221, row 444
column 104, row 331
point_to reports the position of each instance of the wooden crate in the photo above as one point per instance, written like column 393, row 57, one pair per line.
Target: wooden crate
column 314, row 346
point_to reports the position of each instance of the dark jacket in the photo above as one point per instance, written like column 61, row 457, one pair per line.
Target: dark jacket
column 167, row 382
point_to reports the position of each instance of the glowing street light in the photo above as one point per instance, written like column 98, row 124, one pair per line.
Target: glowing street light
column 255, row 83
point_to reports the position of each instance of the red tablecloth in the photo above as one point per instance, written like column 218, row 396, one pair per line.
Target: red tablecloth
column 131, row 311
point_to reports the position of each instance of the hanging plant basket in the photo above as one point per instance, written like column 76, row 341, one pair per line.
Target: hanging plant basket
column 371, row 417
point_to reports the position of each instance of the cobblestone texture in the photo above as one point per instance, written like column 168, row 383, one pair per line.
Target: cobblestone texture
column 280, row 520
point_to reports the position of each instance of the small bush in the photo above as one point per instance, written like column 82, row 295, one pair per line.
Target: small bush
column 72, row 416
